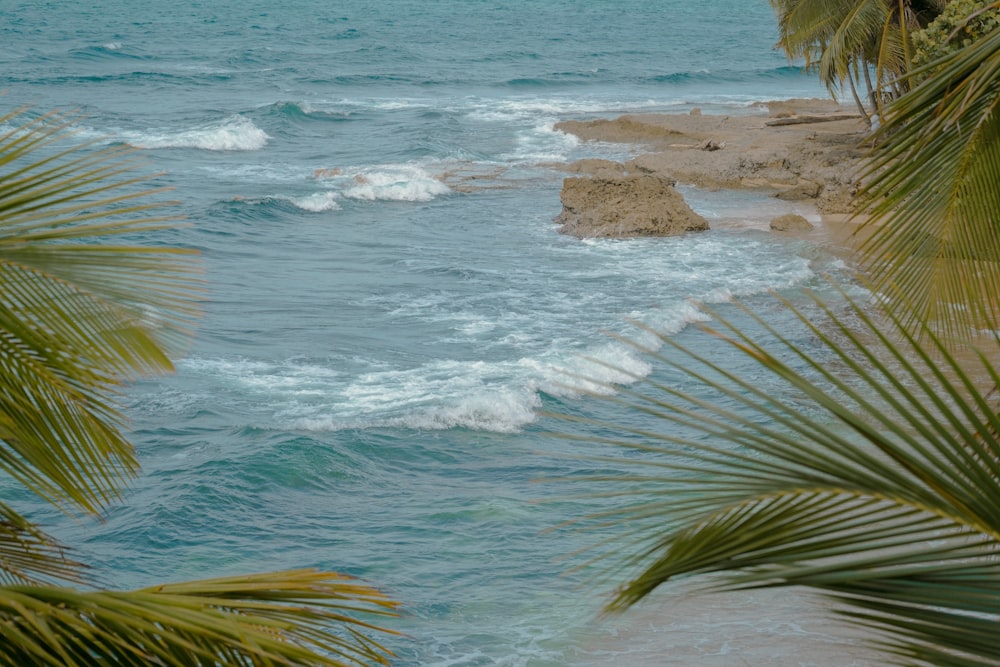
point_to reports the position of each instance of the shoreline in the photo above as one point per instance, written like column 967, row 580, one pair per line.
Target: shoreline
column 786, row 148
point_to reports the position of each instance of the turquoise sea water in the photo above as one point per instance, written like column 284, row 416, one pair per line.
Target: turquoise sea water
column 390, row 306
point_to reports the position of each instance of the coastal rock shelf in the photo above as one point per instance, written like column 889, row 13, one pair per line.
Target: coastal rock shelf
column 785, row 151
column 609, row 205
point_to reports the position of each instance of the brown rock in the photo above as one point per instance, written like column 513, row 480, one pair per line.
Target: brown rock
column 593, row 165
column 804, row 189
column 818, row 157
column 791, row 222
column 625, row 206
column 625, row 129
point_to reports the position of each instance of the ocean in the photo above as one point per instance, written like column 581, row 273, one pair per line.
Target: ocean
column 390, row 310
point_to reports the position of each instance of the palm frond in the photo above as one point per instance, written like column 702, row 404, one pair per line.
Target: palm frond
column 29, row 556
column 868, row 469
column 298, row 617
column 859, row 28
column 79, row 314
column 933, row 197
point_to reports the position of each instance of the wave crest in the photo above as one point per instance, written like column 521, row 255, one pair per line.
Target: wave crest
column 233, row 134
column 386, row 183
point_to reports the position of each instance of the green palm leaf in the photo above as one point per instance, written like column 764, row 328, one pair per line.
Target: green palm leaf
column 843, row 38
column 933, row 196
column 877, row 483
column 280, row 618
column 861, row 25
column 78, row 315
column 30, row 556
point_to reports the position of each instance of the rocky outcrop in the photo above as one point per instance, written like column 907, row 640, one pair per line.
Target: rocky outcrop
column 613, row 204
column 802, row 190
column 791, row 222
column 812, row 162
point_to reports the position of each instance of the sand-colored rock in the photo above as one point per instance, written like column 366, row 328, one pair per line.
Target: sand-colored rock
column 814, row 161
column 625, row 205
column 791, row 222
column 802, row 190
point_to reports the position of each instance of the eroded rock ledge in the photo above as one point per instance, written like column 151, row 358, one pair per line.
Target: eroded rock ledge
column 615, row 203
column 800, row 161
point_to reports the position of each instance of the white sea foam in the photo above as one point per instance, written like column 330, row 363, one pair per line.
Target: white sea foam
column 541, row 143
column 316, row 202
column 596, row 371
column 500, row 397
column 437, row 396
column 518, row 355
column 393, row 183
column 233, row 134
column 383, row 104
column 666, row 322
column 398, row 104
column 503, row 410
column 490, row 110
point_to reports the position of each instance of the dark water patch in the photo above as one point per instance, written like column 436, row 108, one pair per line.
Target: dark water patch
column 294, row 111
column 349, row 33
column 725, row 75
column 551, row 81
column 137, row 78
column 362, row 79
column 288, row 461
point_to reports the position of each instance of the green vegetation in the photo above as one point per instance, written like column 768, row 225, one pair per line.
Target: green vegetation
column 867, row 466
column 960, row 24
column 847, row 41
column 933, row 195
column 83, row 312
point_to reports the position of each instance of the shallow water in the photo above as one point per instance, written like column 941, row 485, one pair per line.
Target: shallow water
column 390, row 307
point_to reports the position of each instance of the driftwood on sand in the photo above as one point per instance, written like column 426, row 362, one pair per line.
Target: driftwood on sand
column 801, row 120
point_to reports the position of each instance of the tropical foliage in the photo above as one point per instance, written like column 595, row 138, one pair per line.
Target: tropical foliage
column 960, row 24
column 848, row 40
column 866, row 466
column 933, row 196
column 83, row 310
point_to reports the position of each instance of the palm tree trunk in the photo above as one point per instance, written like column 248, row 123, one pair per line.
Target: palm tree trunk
column 857, row 99
column 904, row 30
column 872, row 94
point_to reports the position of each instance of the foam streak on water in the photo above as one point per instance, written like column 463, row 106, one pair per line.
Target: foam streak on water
column 390, row 307
column 233, row 134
